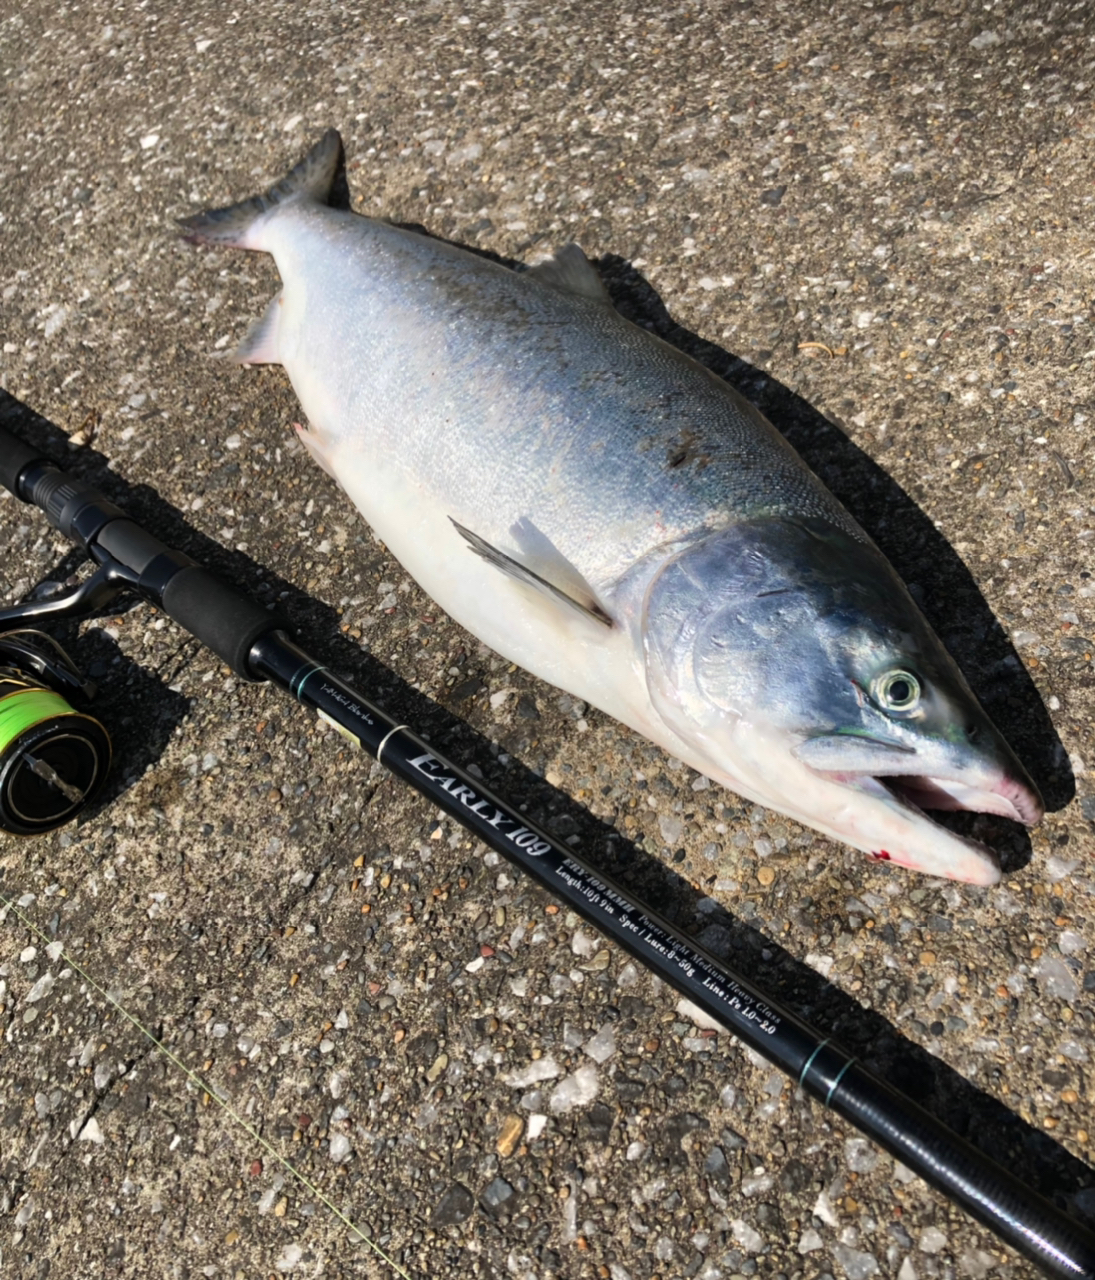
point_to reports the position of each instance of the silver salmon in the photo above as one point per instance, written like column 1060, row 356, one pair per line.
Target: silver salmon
column 604, row 511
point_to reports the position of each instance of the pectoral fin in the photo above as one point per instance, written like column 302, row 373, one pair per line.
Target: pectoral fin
column 576, row 593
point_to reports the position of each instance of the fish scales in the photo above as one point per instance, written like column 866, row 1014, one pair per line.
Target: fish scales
column 529, row 400
column 603, row 510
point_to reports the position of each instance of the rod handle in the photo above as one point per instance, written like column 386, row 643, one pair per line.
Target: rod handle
column 218, row 615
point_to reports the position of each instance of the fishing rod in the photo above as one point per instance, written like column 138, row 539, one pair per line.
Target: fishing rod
column 54, row 756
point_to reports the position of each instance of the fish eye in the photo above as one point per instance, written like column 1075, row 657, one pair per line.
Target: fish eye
column 897, row 691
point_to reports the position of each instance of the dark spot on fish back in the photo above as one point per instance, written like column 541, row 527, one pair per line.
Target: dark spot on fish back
column 683, row 448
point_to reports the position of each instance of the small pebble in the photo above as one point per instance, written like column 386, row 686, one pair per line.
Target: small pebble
column 497, row 1194
column 439, row 1065
column 510, row 1134
column 766, row 876
column 454, row 1207
column 976, row 1264
column 861, row 1155
column 1056, row 979
column 856, row 1264
column 602, row 1046
column 340, row 1148
column 576, row 1090
column 91, row 1132
column 538, row 1070
column 747, row 1236
column 932, row 1240
column 289, row 1257
column 810, row 1241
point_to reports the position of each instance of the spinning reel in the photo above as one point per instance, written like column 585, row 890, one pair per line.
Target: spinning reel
column 53, row 757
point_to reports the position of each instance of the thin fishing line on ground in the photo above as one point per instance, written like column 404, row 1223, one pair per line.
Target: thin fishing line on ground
column 8, row 905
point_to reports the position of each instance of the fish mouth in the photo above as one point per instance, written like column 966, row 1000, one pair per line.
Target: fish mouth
column 887, row 768
column 887, row 772
column 918, row 794
column 1009, row 798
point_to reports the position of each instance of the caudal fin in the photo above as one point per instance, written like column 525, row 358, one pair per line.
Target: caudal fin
column 234, row 225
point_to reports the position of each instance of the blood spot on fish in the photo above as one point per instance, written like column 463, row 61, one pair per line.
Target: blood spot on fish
column 880, row 856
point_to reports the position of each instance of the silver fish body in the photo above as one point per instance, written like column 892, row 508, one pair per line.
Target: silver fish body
column 604, row 511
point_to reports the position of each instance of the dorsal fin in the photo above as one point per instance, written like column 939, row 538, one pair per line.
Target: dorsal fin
column 584, row 601
column 570, row 271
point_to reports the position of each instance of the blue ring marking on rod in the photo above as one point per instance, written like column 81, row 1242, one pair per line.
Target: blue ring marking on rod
column 840, row 1075
column 300, row 681
column 810, row 1061
column 384, row 741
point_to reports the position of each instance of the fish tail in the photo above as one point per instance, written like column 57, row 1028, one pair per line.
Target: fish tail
column 236, row 224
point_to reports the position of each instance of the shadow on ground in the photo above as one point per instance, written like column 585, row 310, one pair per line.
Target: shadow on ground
column 916, row 548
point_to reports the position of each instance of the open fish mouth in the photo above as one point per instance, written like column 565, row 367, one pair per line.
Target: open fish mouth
column 886, row 771
column 1008, row 799
column 917, row 795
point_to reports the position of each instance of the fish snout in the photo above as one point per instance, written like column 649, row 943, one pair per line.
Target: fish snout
column 1022, row 798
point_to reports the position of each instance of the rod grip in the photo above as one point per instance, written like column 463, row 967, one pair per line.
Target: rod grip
column 219, row 616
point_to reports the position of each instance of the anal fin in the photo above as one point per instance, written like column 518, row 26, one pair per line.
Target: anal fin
column 584, row 601
column 261, row 344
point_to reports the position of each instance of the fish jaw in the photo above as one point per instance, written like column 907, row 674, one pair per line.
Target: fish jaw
column 859, row 810
column 1006, row 798
column 928, row 773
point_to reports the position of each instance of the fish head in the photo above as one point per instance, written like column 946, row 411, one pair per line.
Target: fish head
column 792, row 660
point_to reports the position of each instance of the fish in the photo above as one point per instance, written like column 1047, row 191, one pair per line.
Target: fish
column 607, row 513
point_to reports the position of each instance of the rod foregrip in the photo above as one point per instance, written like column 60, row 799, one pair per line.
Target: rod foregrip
column 219, row 616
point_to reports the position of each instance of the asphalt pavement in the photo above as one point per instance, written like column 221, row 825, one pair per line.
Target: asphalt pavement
column 875, row 221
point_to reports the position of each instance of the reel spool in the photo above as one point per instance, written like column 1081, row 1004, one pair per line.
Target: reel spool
column 53, row 758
